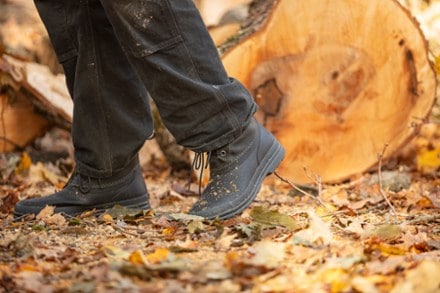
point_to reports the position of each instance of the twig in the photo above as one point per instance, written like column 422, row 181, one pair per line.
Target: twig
column 316, row 198
column 294, row 186
column 423, row 219
column 315, row 178
column 2, row 120
column 380, row 157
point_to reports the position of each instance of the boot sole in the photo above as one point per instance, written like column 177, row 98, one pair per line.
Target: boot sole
column 269, row 163
column 133, row 203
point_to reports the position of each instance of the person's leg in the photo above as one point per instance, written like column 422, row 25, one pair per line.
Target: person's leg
column 111, row 118
column 173, row 53
column 111, row 111
column 168, row 44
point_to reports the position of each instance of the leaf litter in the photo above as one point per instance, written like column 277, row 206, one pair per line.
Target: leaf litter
column 347, row 241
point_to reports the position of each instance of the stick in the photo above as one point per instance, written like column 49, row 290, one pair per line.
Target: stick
column 380, row 157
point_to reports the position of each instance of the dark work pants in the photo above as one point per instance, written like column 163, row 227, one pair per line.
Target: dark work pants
column 115, row 51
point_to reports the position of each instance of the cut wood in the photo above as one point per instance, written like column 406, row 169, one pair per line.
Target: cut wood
column 35, row 97
column 218, row 12
column 336, row 81
column 19, row 123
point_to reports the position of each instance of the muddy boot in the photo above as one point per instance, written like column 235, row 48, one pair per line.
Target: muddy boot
column 237, row 171
column 83, row 193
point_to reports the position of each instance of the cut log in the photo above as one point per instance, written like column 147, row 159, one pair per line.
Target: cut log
column 336, row 81
column 19, row 123
column 218, row 12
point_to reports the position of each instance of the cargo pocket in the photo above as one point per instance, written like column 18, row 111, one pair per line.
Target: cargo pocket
column 147, row 26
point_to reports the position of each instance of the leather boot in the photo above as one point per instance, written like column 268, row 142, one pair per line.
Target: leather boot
column 83, row 193
column 237, row 171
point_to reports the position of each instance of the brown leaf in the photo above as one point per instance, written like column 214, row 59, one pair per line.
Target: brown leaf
column 48, row 217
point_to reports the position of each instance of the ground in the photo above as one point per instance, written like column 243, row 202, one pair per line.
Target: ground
column 378, row 232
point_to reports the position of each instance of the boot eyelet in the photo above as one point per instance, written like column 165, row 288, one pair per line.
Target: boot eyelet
column 222, row 153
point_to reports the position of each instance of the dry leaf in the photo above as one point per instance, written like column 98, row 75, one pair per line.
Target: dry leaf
column 318, row 231
column 137, row 257
column 428, row 160
column 268, row 254
column 24, row 164
column 385, row 232
column 158, row 256
column 424, row 278
column 265, row 216
column 116, row 252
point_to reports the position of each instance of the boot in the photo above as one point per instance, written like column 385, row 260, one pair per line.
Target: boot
column 83, row 193
column 237, row 171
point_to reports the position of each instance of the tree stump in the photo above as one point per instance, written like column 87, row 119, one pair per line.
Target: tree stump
column 336, row 81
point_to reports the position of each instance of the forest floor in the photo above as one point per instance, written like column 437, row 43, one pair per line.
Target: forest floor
column 378, row 232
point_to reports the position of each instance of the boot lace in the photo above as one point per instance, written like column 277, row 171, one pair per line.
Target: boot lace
column 84, row 184
column 199, row 163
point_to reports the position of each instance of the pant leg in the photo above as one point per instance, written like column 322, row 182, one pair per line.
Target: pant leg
column 167, row 43
column 111, row 118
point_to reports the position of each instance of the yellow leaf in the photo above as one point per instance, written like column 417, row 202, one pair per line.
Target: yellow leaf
column 107, row 218
column 169, row 231
column 231, row 259
column 24, row 164
column 336, row 277
column 391, row 250
column 137, row 257
column 28, row 267
column 159, row 255
column 437, row 64
column 428, row 159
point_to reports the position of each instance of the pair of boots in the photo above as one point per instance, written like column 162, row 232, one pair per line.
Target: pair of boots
column 237, row 171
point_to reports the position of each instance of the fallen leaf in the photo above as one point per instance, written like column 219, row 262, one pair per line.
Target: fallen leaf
column 268, row 254
column 137, row 257
column 265, row 216
column 169, row 231
column 158, row 256
column 337, row 278
column 424, row 278
column 48, row 217
column 364, row 285
column 24, row 164
column 184, row 218
column 385, row 232
column 116, row 252
column 31, row 281
column 318, row 232
column 119, row 212
column 45, row 212
column 385, row 267
column 428, row 160
column 106, row 218
column 195, row 227
column 252, row 231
